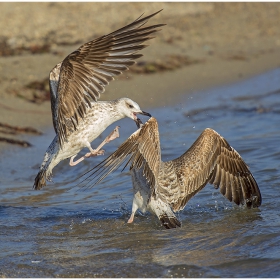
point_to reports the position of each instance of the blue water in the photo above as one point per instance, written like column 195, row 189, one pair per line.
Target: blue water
column 62, row 231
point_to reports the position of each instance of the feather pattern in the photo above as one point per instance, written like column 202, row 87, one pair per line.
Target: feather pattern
column 210, row 159
column 81, row 77
column 141, row 149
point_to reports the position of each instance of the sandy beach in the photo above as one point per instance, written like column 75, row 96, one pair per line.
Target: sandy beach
column 203, row 45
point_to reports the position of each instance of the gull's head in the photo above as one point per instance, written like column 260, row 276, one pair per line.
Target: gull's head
column 130, row 109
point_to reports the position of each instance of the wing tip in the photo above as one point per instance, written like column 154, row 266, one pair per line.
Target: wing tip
column 169, row 222
column 155, row 13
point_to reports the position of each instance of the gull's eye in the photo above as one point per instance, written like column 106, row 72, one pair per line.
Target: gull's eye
column 129, row 106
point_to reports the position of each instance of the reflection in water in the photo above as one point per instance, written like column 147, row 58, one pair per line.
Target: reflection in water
column 63, row 231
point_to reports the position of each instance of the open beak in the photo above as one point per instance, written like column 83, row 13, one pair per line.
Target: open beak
column 138, row 122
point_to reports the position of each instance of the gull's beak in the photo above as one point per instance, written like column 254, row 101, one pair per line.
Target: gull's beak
column 145, row 114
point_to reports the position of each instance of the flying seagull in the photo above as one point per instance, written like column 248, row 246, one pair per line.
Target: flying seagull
column 165, row 187
column 76, row 84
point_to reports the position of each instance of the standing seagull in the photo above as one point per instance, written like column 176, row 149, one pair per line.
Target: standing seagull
column 76, row 84
column 164, row 187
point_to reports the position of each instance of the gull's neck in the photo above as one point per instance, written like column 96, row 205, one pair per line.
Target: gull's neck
column 110, row 110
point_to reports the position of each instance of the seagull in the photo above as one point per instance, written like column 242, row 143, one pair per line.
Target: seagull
column 76, row 84
column 164, row 188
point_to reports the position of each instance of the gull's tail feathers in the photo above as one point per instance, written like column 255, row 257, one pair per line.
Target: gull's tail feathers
column 45, row 172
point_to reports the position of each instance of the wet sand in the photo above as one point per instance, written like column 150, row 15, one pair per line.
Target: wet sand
column 204, row 44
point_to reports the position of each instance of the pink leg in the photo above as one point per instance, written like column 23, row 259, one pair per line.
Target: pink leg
column 73, row 163
column 113, row 135
column 131, row 218
column 97, row 152
column 134, row 209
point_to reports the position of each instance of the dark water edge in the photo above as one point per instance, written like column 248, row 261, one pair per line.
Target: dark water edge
column 62, row 231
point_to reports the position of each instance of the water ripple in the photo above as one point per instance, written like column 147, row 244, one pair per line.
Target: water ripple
column 64, row 231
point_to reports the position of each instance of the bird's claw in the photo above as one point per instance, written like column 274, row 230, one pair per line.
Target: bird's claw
column 95, row 153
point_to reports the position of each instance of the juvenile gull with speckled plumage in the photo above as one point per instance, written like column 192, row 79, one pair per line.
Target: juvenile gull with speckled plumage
column 165, row 187
column 76, row 84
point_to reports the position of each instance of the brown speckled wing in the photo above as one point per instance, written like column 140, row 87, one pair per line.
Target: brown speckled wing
column 141, row 149
column 84, row 73
column 209, row 160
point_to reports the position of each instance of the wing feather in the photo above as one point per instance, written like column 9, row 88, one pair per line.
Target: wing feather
column 141, row 149
column 211, row 160
column 81, row 77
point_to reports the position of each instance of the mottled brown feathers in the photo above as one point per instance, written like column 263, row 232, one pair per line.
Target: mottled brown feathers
column 212, row 160
column 142, row 148
column 209, row 160
column 83, row 74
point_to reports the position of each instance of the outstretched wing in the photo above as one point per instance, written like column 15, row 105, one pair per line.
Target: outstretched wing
column 209, row 160
column 83, row 74
column 141, row 149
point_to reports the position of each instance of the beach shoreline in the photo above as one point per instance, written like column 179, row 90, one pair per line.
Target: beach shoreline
column 207, row 44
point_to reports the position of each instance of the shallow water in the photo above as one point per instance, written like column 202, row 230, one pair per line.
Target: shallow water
column 62, row 231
